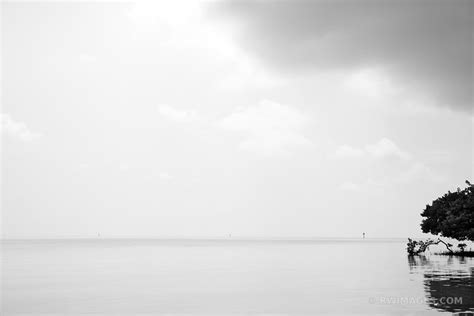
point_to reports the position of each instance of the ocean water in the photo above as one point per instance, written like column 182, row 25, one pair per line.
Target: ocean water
column 230, row 277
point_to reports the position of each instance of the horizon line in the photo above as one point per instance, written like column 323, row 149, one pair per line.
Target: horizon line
column 205, row 238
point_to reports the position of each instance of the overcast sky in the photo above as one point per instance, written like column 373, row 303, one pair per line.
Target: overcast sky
column 250, row 118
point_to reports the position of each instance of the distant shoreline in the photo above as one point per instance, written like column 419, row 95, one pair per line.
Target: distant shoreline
column 177, row 239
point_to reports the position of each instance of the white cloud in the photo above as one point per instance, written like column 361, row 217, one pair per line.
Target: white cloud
column 384, row 148
column 346, row 151
column 124, row 166
column 87, row 58
column 350, row 186
column 371, row 82
column 16, row 129
column 414, row 173
column 417, row 172
column 245, row 74
column 165, row 176
column 177, row 115
column 269, row 127
column 149, row 13
column 385, row 151
column 365, row 186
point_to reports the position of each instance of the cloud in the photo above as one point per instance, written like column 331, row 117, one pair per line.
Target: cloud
column 269, row 127
column 386, row 148
column 245, row 75
column 368, row 185
column 165, row 176
column 17, row 129
column 405, row 170
column 346, row 151
column 416, row 172
column 350, row 186
column 424, row 46
column 148, row 13
column 383, row 149
column 87, row 58
column 177, row 115
column 124, row 166
column 371, row 82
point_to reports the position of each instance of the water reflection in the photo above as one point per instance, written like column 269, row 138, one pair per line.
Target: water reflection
column 448, row 281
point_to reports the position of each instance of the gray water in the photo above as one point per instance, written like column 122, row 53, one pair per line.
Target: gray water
column 211, row 277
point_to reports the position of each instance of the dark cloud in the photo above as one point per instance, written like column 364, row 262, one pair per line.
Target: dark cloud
column 425, row 45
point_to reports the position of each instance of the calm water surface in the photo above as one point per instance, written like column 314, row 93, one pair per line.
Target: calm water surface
column 156, row 277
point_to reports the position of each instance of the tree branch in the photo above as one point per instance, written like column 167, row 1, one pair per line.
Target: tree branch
column 446, row 244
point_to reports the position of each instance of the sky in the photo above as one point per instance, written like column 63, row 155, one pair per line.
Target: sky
column 265, row 119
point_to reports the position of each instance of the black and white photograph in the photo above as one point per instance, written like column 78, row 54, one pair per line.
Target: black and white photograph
column 236, row 157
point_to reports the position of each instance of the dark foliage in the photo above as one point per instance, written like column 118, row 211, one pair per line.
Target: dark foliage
column 415, row 247
column 451, row 215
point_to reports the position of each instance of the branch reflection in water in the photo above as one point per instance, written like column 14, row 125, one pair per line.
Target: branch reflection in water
column 448, row 281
